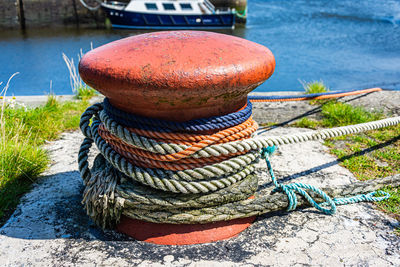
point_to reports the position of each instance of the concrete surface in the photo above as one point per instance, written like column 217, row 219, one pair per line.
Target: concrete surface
column 50, row 228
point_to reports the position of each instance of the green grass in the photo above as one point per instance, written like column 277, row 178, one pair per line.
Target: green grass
column 315, row 87
column 369, row 155
column 45, row 122
column 391, row 205
column 372, row 155
column 85, row 93
column 307, row 123
column 340, row 114
column 23, row 131
column 20, row 163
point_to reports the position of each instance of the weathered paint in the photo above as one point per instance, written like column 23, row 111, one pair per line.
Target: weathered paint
column 178, row 75
column 183, row 234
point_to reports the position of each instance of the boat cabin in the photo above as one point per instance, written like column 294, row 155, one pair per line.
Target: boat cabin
column 167, row 6
column 171, row 14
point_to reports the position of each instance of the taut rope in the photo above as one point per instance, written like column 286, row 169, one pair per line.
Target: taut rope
column 316, row 96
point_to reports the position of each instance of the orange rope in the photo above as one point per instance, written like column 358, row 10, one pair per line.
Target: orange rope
column 365, row 91
column 184, row 164
column 238, row 132
column 181, row 160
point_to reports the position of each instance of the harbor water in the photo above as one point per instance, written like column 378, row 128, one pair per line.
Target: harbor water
column 347, row 44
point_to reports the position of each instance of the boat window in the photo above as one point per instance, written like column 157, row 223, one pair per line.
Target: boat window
column 186, row 6
column 151, row 6
column 168, row 6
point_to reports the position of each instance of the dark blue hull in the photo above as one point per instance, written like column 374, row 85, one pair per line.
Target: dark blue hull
column 136, row 20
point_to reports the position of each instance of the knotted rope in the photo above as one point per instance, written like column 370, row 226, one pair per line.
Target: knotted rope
column 293, row 188
column 168, row 172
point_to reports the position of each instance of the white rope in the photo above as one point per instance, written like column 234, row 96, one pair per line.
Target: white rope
column 89, row 7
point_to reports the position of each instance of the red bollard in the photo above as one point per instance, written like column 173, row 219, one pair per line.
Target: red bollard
column 178, row 76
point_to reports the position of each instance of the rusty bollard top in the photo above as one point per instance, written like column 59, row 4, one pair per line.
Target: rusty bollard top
column 178, row 75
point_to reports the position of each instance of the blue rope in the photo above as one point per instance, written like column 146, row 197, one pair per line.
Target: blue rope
column 258, row 97
column 197, row 125
column 291, row 189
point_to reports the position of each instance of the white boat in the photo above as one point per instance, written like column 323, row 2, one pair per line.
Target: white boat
column 168, row 14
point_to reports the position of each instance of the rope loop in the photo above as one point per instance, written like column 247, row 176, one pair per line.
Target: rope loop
column 291, row 189
column 87, row 115
column 369, row 197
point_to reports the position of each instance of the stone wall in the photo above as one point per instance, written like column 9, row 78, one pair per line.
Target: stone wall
column 8, row 14
column 41, row 13
column 45, row 13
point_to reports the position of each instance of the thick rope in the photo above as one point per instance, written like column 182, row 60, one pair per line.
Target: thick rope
column 197, row 125
column 192, row 194
column 241, row 131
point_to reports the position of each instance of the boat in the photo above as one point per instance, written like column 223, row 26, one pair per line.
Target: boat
column 168, row 14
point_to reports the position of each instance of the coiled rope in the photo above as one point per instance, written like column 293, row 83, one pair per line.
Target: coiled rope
column 167, row 172
column 197, row 125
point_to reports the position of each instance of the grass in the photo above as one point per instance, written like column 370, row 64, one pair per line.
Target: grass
column 85, row 93
column 22, row 132
column 370, row 155
column 336, row 113
column 307, row 123
column 45, row 122
column 20, row 164
column 315, row 87
column 380, row 162
column 340, row 114
column 392, row 205
column 79, row 88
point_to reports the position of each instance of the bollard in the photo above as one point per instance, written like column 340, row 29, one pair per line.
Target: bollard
column 178, row 76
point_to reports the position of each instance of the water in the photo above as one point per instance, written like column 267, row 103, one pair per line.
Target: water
column 347, row 44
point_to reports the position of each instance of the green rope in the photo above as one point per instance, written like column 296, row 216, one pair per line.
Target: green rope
column 293, row 188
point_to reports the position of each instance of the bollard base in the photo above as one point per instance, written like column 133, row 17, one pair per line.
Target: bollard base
column 182, row 234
